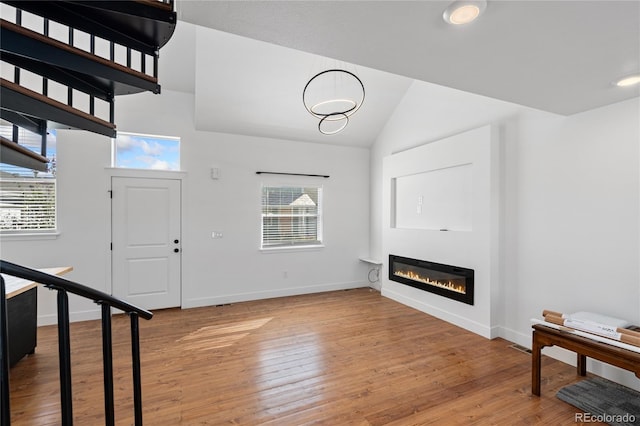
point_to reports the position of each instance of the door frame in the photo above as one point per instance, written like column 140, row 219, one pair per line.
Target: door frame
column 111, row 172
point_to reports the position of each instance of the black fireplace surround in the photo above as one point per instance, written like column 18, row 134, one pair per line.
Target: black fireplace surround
column 445, row 280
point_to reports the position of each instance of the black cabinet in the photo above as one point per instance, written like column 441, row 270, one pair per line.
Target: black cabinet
column 22, row 322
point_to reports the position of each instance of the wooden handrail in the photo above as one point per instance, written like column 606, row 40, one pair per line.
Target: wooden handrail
column 42, row 98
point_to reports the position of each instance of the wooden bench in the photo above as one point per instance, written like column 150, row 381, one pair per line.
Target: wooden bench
column 583, row 347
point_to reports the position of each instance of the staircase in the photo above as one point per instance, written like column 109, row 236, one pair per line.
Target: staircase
column 63, row 288
column 64, row 62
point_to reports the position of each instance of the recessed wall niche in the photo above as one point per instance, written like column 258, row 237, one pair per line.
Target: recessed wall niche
column 458, row 176
column 438, row 199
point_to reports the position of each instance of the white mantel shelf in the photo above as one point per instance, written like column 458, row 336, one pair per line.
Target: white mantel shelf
column 372, row 261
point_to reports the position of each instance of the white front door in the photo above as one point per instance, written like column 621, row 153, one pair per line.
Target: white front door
column 146, row 241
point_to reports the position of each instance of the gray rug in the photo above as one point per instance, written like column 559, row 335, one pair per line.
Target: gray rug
column 603, row 400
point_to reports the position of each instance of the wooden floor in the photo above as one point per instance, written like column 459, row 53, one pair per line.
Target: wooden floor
column 339, row 358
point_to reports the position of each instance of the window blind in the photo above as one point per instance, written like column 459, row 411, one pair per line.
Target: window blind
column 28, row 198
column 291, row 216
column 27, row 204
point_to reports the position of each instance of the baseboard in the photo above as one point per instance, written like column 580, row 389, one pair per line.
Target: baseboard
column 454, row 319
column 269, row 294
column 52, row 319
column 94, row 314
column 375, row 285
column 514, row 336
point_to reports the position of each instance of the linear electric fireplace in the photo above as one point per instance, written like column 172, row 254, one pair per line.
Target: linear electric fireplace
column 445, row 280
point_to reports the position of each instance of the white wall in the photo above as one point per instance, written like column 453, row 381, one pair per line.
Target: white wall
column 83, row 220
column 427, row 113
column 571, row 198
column 233, row 268
column 573, row 215
column 215, row 271
column 570, row 191
column 474, row 246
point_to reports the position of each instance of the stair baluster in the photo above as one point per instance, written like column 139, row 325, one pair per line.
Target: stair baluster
column 106, row 302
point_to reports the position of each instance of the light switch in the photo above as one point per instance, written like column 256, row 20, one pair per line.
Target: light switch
column 216, row 234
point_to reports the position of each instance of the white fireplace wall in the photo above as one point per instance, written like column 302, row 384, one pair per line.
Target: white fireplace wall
column 474, row 153
column 436, row 199
column 570, row 190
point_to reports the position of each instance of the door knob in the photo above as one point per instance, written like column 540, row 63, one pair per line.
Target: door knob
column 176, row 250
column 176, row 241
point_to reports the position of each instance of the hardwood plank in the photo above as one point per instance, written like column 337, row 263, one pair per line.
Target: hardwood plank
column 337, row 358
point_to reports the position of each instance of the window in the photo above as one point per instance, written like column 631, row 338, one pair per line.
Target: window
column 28, row 197
column 291, row 216
column 133, row 151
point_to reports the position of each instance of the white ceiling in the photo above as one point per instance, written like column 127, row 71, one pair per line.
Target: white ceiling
column 253, row 58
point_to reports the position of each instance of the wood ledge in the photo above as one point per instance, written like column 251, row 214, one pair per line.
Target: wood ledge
column 42, row 98
column 157, row 3
column 71, row 49
column 22, row 150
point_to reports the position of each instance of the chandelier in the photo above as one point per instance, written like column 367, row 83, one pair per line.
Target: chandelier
column 332, row 96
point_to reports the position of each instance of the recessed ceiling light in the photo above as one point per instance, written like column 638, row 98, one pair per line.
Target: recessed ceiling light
column 628, row 81
column 463, row 11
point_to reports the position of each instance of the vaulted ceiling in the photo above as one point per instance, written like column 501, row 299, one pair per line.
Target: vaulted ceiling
column 252, row 58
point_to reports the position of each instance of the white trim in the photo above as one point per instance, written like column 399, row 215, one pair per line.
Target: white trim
column 473, row 326
column 515, row 336
column 29, row 236
column 319, row 219
column 144, row 173
column 114, row 148
column 287, row 249
column 76, row 316
column 147, row 135
column 110, row 173
column 269, row 294
column 372, row 261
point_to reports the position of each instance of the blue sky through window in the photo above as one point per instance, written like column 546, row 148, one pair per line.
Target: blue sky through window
column 33, row 142
column 135, row 151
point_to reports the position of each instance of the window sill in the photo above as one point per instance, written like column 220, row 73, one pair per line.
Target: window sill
column 30, row 236
column 291, row 249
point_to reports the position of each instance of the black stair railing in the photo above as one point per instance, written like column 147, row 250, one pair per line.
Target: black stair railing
column 106, row 301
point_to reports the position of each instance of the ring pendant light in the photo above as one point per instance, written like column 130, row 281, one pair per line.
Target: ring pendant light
column 338, row 108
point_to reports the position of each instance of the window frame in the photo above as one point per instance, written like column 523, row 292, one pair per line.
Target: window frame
column 294, row 244
column 115, row 158
column 53, row 217
column 17, row 176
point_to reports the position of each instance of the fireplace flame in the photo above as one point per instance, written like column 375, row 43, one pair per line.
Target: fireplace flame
column 458, row 288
